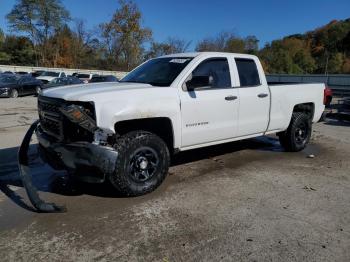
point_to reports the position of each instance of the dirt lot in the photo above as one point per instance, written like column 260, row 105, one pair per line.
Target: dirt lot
column 245, row 201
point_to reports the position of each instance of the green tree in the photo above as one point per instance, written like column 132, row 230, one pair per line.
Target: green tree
column 17, row 51
column 39, row 19
column 235, row 45
column 346, row 66
column 335, row 63
column 208, row 45
column 124, row 35
column 305, row 61
column 171, row 46
column 214, row 44
column 251, row 44
column 229, row 42
column 4, row 57
column 2, row 36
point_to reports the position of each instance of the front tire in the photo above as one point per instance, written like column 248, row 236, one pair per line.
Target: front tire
column 298, row 134
column 142, row 165
column 14, row 93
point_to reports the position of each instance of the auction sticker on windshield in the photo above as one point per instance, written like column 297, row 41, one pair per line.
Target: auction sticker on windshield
column 178, row 60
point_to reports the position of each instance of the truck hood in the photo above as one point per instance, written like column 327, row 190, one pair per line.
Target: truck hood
column 92, row 92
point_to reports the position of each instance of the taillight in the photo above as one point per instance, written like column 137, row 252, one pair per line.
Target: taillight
column 327, row 96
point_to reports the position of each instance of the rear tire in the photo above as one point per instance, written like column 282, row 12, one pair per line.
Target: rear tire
column 298, row 134
column 142, row 165
column 14, row 93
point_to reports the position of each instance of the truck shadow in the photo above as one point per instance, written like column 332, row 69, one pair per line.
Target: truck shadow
column 265, row 143
column 47, row 179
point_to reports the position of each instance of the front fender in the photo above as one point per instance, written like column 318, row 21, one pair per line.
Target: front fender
column 109, row 114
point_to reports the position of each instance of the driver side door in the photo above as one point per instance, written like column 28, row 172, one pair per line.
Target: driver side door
column 209, row 112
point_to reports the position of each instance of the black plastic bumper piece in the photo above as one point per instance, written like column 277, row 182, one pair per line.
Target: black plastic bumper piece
column 37, row 202
column 73, row 155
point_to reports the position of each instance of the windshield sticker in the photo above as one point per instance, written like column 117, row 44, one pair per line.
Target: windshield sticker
column 178, row 60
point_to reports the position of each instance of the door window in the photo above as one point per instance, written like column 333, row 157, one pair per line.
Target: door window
column 248, row 72
column 25, row 80
column 214, row 73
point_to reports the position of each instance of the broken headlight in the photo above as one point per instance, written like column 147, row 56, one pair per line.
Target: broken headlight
column 80, row 115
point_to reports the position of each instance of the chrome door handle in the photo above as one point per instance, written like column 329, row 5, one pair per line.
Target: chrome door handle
column 230, row 98
column 262, row 95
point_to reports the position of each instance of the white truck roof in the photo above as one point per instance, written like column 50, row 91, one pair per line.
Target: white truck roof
column 195, row 54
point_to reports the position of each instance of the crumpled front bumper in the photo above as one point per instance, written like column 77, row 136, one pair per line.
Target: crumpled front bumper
column 74, row 155
column 70, row 156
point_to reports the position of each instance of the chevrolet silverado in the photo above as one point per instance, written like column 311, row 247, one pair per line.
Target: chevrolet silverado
column 126, row 132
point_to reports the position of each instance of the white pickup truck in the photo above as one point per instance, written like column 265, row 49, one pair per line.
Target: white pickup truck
column 126, row 132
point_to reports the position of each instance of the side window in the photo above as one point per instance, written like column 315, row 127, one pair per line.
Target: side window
column 217, row 70
column 248, row 72
column 63, row 75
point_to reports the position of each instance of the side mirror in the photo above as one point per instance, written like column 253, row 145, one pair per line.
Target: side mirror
column 199, row 81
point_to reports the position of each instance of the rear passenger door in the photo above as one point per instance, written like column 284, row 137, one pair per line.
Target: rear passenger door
column 254, row 99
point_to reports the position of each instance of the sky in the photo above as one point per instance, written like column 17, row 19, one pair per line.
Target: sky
column 193, row 20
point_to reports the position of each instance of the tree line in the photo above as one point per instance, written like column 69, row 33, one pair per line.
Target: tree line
column 44, row 34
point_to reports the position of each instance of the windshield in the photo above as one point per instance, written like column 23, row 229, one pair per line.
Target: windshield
column 47, row 73
column 96, row 79
column 159, row 71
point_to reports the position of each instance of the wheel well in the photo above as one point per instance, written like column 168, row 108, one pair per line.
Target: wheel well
column 161, row 126
column 307, row 108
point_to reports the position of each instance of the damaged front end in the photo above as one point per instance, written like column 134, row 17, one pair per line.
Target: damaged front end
column 68, row 139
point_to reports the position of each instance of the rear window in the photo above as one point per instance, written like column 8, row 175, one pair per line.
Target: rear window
column 248, row 72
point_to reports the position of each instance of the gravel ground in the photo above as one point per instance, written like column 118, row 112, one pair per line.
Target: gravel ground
column 243, row 201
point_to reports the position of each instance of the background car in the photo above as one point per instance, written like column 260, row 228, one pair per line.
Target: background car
column 14, row 86
column 37, row 73
column 21, row 73
column 63, row 81
column 9, row 72
column 106, row 78
column 48, row 76
column 85, row 77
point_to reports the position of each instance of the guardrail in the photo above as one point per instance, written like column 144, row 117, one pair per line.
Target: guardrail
column 340, row 84
column 68, row 71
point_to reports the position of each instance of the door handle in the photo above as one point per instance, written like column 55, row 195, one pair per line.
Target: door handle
column 230, row 98
column 262, row 95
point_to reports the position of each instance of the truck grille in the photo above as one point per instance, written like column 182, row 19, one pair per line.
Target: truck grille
column 51, row 119
column 58, row 126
